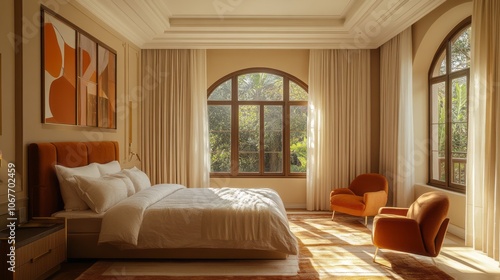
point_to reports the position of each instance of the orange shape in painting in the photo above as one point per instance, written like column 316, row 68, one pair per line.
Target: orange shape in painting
column 52, row 53
column 62, row 102
column 85, row 61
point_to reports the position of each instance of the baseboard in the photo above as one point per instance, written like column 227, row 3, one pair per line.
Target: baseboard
column 457, row 231
column 294, row 206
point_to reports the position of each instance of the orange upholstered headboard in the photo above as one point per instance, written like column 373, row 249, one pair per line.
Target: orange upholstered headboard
column 43, row 186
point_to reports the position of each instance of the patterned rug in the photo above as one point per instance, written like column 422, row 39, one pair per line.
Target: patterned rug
column 339, row 249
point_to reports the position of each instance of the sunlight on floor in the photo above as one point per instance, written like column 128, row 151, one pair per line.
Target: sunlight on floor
column 455, row 259
column 465, row 263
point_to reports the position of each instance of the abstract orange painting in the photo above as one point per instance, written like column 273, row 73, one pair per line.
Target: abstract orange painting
column 79, row 75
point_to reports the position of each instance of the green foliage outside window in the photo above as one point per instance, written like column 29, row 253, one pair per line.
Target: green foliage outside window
column 266, row 120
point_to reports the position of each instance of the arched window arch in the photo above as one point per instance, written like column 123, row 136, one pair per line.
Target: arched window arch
column 258, row 124
column 448, row 109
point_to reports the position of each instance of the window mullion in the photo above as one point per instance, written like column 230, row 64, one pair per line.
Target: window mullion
column 235, row 133
column 261, row 141
column 448, row 116
column 286, row 127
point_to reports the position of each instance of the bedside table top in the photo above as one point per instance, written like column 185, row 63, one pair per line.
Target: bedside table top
column 31, row 231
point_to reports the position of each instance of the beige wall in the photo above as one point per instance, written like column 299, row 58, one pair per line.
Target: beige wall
column 295, row 62
column 7, row 137
column 428, row 33
column 223, row 62
column 28, row 116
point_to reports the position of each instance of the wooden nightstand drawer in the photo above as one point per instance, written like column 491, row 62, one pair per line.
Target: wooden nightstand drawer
column 37, row 258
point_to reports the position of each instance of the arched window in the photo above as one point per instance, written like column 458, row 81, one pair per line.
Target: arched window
column 448, row 95
column 258, row 124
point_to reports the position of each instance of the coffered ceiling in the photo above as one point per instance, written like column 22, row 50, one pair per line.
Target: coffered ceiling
column 234, row 24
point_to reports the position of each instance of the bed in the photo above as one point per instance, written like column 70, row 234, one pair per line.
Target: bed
column 180, row 213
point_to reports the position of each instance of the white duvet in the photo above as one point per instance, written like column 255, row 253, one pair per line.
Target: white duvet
column 173, row 216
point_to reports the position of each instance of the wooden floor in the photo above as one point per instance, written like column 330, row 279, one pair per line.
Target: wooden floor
column 72, row 269
column 455, row 259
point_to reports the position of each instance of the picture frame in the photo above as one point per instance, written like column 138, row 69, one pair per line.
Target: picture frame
column 78, row 75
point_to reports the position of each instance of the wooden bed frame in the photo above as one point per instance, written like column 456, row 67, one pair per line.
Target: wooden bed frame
column 45, row 199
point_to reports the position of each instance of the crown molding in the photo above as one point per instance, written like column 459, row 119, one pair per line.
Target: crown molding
column 362, row 24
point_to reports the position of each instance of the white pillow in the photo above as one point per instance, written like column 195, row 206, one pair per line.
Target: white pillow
column 139, row 178
column 126, row 180
column 67, row 184
column 101, row 193
column 109, row 168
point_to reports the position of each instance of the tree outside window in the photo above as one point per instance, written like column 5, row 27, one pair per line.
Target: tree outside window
column 258, row 124
column 448, row 91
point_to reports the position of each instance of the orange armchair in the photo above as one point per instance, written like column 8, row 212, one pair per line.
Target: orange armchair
column 419, row 229
column 365, row 195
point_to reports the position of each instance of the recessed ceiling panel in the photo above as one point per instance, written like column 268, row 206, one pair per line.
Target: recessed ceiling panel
column 257, row 8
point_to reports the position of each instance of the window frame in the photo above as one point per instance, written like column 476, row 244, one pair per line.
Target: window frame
column 447, row 78
column 235, row 103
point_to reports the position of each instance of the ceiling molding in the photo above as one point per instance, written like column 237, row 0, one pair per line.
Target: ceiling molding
column 179, row 24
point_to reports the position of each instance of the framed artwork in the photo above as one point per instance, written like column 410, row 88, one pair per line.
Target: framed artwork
column 78, row 75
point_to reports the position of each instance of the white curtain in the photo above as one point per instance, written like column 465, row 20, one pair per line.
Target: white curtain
column 338, row 122
column 396, row 118
column 483, row 157
column 174, row 117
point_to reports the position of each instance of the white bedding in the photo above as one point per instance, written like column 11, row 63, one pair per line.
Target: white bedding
column 173, row 216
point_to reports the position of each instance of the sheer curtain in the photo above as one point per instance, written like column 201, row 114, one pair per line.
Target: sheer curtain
column 396, row 118
column 338, row 122
column 174, row 117
column 483, row 157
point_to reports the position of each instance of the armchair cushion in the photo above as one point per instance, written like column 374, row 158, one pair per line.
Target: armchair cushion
column 347, row 202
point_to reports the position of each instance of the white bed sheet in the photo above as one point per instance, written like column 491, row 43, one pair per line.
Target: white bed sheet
column 172, row 216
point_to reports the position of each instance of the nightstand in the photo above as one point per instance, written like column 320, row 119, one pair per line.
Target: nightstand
column 40, row 249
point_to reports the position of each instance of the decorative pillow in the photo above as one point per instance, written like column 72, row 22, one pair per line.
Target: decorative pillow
column 109, row 168
column 67, row 184
column 126, row 180
column 139, row 178
column 101, row 193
